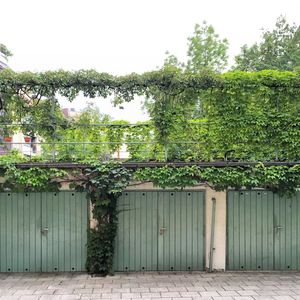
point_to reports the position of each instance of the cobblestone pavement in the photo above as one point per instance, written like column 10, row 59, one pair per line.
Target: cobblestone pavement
column 184, row 286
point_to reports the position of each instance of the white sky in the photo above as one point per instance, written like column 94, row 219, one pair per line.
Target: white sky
column 124, row 36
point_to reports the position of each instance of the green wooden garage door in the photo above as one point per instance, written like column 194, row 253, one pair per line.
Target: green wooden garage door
column 263, row 231
column 43, row 232
column 160, row 230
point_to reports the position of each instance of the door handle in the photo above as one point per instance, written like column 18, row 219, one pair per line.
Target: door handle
column 277, row 228
column 162, row 230
column 45, row 230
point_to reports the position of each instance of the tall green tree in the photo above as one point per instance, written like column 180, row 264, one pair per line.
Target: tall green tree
column 206, row 51
column 279, row 49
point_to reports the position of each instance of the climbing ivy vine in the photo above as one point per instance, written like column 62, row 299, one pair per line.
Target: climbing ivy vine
column 282, row 179
column 248, row 116
column 104, row 183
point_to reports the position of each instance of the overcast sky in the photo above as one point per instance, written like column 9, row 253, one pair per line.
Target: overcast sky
column 124, row 36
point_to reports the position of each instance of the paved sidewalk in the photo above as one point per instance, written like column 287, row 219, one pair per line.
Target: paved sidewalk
column 184, row 286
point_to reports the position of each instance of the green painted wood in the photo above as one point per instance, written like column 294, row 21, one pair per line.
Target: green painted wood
column 263, row 231
column 249, row 230
column 65, row 216
column 136, row 248
column 142, row 246
column 23, row 246
column 19, row 230
column 161, row 224
column 182, row 242
column 287, row 232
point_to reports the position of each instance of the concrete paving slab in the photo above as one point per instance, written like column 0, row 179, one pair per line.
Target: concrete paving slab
column 172, row 286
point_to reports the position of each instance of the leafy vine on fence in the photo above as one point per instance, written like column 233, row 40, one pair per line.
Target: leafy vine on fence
column 249, row 116
column 281, row 179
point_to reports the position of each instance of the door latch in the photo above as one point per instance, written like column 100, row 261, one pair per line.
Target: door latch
column 45, row 230
column 162, row 230
column 277, row 228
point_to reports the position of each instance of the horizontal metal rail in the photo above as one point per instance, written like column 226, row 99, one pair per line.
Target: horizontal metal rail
column 97, row 143
column 136, row 165
column 99, row 125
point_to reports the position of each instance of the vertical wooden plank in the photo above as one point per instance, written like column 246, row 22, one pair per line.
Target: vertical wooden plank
column 166, row 229
column 4, row 198
column 44, row 236
column 20, row 228
column 45, row 209
column 49, row 237
column 126, row 240
column 242, row 229
column 259, row 231
column 284, row 241
column 143, row 199
column 189, row 227
column 27, row 215
column 67, row 229
column 276, row 233
column 201, row 229
column 54, row 228
column 132, row 237
column 138, row 232
column 34, row 209
column 283, row 232
column 264, row 222
column 37, row 237
column 183, row 241
column 14, row 232
column 270, row 230
column 149, row 234
column 247, row 204
column 253, row 230
column 265, row 233
column 119, row 244
column 161, row 199
column 72, row 213
column 171, row 232
column 196, row 234
column 178, row 232
column 154, row 231
column 61, row 232
column 291, row 237
column 79, row 211
column 85, row 205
